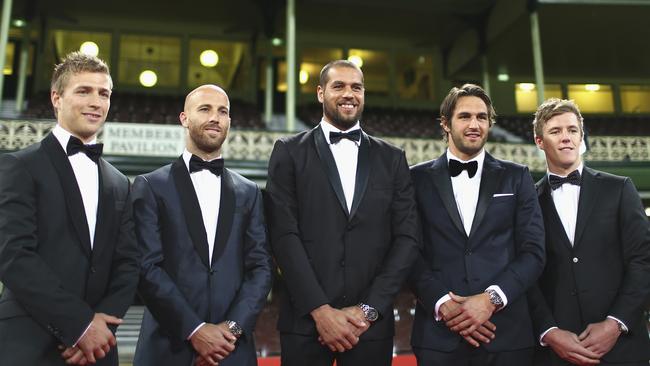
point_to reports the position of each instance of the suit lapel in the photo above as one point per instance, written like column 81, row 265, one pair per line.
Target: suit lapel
column 226, row 213
column 74, row 204
column 363, row 172
column 191, row 209
column 586, row 201
column 490, row 180
column 440, row 175
column 326, row 157
column 551, row 217
column 105, row 208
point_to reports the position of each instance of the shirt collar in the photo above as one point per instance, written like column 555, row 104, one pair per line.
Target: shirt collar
column 188, row 155
column 63, row 136
column 328, row 127
column 579, row 169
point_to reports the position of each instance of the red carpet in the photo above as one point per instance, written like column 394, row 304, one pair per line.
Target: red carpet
column 408, row 360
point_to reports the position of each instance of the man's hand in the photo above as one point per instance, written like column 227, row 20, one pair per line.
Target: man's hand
column 600, row 337
column 98, row 339
column 357, row 319
column 334, row 327
column 567, row 346
column 73, row 355
column 213, row 342
column 471, row 313
column 484, row 333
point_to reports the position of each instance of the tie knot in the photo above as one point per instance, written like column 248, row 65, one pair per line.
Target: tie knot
column 354, row 135
column 92, row 151
column 557, row 181
column 214, row 166
column 456, row 167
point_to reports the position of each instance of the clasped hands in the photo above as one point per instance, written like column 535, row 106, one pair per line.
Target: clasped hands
column 470, row 317
column 95, row 343
column 588, row 347
column 339, row 329
column 213, row 343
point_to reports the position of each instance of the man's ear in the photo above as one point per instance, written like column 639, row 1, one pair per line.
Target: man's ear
column 444, row 124
column 319, row 93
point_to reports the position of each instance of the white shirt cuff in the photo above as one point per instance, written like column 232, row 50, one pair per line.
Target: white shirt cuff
column 501, row 294
column 82, row 334
column 619, row 321
column 436, row 314
column 194, row 331
column 541, row 343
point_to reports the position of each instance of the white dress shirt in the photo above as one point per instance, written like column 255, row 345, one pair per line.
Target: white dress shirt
column 565, row 199
column 346, row 154
column 208, row 191
column 87, row 175
column 466, row 192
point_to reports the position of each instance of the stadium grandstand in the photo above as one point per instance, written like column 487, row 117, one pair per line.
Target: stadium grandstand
column 267, row 55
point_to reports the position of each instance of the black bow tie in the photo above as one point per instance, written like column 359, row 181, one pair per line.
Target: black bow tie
column 197, row 164
column 556, row 182
column 456, row 167
column 354, row 135
column 92, row 151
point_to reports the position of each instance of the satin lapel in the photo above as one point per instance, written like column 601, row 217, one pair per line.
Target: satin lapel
column 588, row 197
column 226, row 214
column 550, row 212
column 490, row 181
column 440, row 176
column 105, row 208
column 191, row 209
column 326, row 157
column 74, row 204
column 363, row 172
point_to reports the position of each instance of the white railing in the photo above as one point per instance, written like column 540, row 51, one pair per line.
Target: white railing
column 257, row 145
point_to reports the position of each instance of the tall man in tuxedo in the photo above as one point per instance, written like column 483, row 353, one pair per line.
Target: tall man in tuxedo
column 588, row 307
column 483, row 245
column 206, row 265
column 68, row 257
column 343, row 231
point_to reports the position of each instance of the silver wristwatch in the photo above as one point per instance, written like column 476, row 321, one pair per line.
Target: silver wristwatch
column 234, row 328
column 369, row 312
column 495, row 299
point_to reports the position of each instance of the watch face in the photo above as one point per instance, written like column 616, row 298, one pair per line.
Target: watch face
column 235, row 329
column 372, row 315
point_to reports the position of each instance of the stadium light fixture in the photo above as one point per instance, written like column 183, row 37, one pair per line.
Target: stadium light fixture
column 592, row 87
column 19, row 23
column 527, row 87
column 647, row 211
column 503, row 77
column 89, row 48
column 303, row 77
column 357, row 60
column 276, row 41
column 209, row 58
column 148, row 78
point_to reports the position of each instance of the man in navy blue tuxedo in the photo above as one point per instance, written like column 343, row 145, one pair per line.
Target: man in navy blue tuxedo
column 483, row 245
column 206, row 267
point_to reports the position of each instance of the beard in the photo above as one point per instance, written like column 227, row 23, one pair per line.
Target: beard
column 341, row 121
column 204, row 142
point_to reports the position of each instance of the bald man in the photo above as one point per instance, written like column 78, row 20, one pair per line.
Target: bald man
column 206, row 267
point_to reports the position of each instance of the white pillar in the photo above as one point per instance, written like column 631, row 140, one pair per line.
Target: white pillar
column 537, row 56
column 291, row 65
column 4, row 36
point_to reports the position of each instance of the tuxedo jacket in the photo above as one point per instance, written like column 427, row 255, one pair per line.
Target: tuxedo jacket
column 54, row 283
column 505, row 247
column 605, row 272
column 326, row 254
column 180, row 285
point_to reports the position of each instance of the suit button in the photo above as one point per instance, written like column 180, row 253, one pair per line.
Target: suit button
column 92, row 269
column 575, row 259
column 574, row 292
column 468, row 252
column 342, row 263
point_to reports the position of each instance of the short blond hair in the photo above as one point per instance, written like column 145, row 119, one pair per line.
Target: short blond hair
column 75, row 63
column 553, row 107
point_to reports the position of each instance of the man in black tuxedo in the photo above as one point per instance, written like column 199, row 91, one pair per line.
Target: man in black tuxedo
column 483, row 245
column 588, row 307
column 206, row 265
column 343, row 231
column 68, row 257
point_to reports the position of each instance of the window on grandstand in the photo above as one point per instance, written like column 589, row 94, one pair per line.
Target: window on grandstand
column 66, row 41
column 592, row 98
column 218, row 62
column 139, row 54
column 526, row 95
column 635, row 98
column 313, row 60
column 376, row 70
column 415, row 77
column 9, row 59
